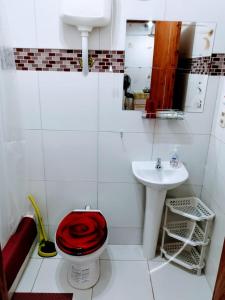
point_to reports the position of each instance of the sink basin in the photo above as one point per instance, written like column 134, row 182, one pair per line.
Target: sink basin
column 157, row 182
column 166, row 178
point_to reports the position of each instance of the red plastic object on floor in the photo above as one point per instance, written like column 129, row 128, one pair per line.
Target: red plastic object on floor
column 34, row 296
column 17, row 248
column 3, row 285
column 81, row 233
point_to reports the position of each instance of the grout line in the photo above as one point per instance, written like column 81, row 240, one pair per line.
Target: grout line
column 150, row 278
column 165, row 10
column 37, row 275
column 98, row 138
column 100, row 182
column 43, row 150
column 119, row 131
column 104, row 182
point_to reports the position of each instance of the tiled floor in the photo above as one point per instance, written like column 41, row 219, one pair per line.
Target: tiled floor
column 125, row 275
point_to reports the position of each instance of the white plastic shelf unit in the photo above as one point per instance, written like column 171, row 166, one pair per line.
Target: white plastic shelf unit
column 186, row 231
column 190, row 236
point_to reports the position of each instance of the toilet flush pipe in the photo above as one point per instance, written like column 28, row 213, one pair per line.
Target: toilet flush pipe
column 84, row 36
column 84, row 32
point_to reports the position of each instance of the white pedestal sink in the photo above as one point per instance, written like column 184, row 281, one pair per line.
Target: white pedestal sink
column 157, row 182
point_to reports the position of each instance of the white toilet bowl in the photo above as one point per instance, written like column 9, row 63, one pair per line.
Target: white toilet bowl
column 81, row 238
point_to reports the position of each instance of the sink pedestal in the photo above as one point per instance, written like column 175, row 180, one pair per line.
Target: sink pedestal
column 157, row 181
column 155, row 200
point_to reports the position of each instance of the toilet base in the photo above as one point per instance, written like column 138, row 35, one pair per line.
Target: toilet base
column 83, row 276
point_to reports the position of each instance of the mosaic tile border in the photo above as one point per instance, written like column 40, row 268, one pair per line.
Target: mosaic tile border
column 67, row 60
column 196, row 65
column 213, row 65
column 217, row 64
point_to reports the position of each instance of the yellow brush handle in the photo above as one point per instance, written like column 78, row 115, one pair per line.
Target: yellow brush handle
column 43, row 234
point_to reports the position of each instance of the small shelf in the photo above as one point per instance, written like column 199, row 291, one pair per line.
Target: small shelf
column 186, row 231
column 189, row 257
column 191, row 207
column 166, row 114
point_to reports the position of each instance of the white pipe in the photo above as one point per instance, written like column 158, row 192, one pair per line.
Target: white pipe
column 84, row 35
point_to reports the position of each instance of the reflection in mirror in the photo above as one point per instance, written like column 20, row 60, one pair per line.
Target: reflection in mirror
column 138, row 64
column 196, row 39
column 167, row 66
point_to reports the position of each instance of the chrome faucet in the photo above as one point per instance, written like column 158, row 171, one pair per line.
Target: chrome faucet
column 158, row 164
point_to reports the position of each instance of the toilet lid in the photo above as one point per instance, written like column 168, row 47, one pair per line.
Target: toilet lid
column 81, row 233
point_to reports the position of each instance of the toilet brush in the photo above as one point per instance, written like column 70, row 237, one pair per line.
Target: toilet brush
column 46, row 248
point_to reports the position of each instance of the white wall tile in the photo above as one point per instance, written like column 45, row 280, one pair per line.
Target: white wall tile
column 69, row 101
column 111, row 115
column 219, row 178
column 28, row 98
column 63, row 197
column 21, row 21
column 214, row 189
column 116, row 154
column 126, row 10
column 200, row 11
column 114, row 39
column 122, row 204
column 218, row 131
column 52, row 230
column 218, row 106
column 197, row 123
column 52, row 33
column 70, row 155
column 183, row 10
column 125, row 235
column 186, row 190
column 215, row 172
column 192, row 150
column 34, row 155
column 217, row 239
column 144, row 10
column 123, row 252
column 211, row 169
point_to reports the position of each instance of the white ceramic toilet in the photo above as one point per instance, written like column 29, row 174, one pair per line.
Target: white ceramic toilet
column 81, row 238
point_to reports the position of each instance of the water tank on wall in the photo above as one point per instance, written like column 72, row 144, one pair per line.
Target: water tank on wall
column 85, row 15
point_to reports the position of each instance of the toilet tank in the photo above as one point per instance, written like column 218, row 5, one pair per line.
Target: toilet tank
column 92, row 13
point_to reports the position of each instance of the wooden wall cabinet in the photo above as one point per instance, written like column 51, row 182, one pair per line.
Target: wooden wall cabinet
column 219, row 292
column 165, row 62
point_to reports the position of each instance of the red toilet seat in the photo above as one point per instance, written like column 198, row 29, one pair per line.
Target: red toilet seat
column 81, row 233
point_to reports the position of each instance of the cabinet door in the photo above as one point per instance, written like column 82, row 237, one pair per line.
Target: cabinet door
column 165, row 61
column 219, row 292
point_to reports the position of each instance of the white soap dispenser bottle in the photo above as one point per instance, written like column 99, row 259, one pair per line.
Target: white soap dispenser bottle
column 174, row 161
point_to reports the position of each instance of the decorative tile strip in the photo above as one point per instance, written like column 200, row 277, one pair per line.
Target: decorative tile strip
column 67, row 60
column 196, row 65
column 217, row 64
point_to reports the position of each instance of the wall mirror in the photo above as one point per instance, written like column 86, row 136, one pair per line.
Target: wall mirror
column 167, row 64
